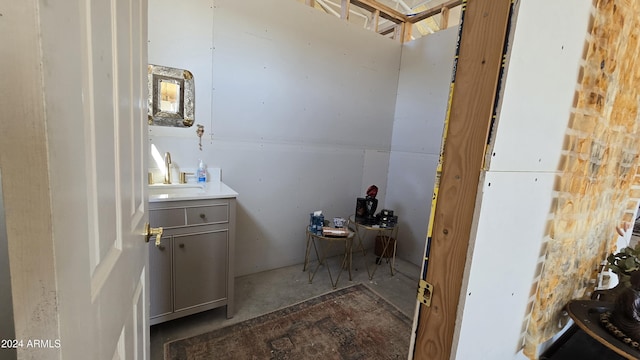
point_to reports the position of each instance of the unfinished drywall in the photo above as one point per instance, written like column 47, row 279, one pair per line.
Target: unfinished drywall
column 286, row 73
column 512, row 211
column 182, row 37
column 302, row 108
column 510, row 226
column 423, row 92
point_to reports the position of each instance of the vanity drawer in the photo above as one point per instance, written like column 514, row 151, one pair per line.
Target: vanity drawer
column 216, row 213
column 167, row 217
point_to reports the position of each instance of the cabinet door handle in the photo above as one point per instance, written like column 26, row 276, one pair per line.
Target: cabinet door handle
column 181, row 246
column 202, row 216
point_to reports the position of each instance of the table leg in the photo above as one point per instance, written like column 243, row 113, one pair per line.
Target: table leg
column 350, row 242
column 395, row 247
column 321, row 256
column 306, row 253
column 359, row 236
column 386, row 235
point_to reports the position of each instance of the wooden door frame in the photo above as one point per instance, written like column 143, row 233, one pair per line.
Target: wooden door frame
column 26, row 180
column 479, row 60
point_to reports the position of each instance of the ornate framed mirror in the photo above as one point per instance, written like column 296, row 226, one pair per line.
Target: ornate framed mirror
column 171, row 96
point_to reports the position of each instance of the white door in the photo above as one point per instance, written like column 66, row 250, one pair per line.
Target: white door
column 116, row 45
column 95, row 71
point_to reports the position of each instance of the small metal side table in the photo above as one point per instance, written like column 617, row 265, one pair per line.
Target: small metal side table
column 325, row 244
column 388, row 235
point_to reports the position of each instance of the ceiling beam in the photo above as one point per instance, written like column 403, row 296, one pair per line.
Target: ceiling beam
column 388, row 30
column 385, row 11
column 433, row 11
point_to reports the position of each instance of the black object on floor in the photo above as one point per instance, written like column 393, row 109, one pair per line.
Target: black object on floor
column 575, row 344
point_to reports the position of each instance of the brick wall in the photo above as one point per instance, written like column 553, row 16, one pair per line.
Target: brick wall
column 599, row 168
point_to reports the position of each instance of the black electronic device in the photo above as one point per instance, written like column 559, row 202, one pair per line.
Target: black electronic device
column 365, row 210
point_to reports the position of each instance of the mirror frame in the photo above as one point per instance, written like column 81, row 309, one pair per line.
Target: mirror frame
column 184, row 117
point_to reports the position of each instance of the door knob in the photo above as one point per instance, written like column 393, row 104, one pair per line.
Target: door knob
column 149, row 231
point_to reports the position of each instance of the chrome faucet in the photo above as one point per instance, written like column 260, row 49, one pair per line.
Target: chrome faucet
column 167, row 167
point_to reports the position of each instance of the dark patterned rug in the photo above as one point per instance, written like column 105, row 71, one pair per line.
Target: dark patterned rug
column 350, row 323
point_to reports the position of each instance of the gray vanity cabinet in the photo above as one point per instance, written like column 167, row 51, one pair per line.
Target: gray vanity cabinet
column 161, row 278
column 196, row 257
column 191, row 271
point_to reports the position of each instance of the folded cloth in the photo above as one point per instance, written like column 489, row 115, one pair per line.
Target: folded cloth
column 337, row 232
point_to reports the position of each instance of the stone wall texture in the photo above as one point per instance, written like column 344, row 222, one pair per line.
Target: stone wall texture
column 598, row 187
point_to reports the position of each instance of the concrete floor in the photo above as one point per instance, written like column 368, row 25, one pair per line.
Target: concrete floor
column 267, row 291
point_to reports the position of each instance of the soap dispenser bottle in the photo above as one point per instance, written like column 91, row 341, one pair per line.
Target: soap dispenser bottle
column 202, row 173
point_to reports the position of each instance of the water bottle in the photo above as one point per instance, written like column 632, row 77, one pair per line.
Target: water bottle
column 202, row 173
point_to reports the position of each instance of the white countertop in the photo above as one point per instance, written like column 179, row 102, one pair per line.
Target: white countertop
column 177, row 192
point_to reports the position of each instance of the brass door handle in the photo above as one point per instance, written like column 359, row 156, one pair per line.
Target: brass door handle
column 149, row 231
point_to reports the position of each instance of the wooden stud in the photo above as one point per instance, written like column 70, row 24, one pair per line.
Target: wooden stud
column 376, row 20
column 469, row 118
column 344, row 9
column 397, row 32
column 444, row 18
column 407, row 27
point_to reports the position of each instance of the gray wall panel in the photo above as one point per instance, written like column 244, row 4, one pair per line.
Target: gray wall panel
column 423, row 91
column 301, row 115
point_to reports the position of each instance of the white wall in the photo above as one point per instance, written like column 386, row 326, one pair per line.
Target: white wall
column 517, row 190
column 182, row 37
column 423, row 90
column 300, row 116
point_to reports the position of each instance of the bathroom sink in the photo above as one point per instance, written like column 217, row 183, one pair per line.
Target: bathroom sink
column 177, row 192
column 170, row 190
